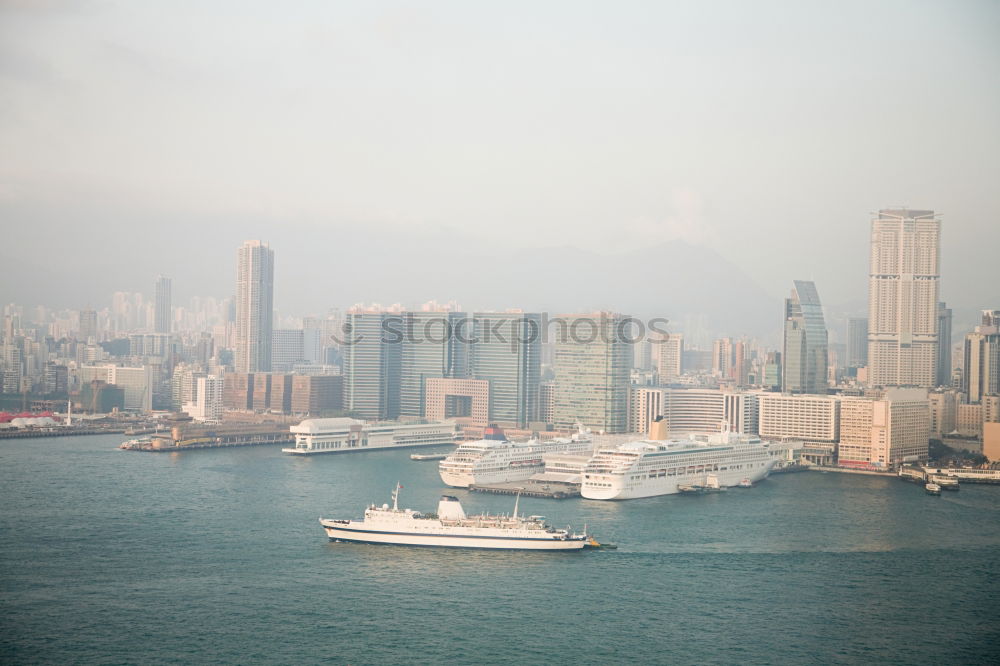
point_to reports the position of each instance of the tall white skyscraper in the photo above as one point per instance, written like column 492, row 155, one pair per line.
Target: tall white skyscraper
column 903, row 298
column 161, row 307
column 254, row 306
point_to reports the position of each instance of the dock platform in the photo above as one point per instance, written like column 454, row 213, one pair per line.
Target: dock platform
column 529, row 488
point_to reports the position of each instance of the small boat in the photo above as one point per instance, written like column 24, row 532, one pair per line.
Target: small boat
column 711, row 485
column 428, row 456
column 745, row 483
column 932, row 489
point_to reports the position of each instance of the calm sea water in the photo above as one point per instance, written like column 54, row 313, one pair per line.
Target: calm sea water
column 216, row 557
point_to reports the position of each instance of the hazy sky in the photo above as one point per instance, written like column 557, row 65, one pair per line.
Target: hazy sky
column 146, row 137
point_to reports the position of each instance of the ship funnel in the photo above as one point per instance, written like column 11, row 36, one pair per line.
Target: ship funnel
column 658, row 430
column 449, row 508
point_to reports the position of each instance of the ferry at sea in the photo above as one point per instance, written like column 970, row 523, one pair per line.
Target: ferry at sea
column 647, row 468
column 494, row 459
column 450, row 527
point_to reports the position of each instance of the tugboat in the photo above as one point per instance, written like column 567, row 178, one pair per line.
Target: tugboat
column 745, row 483
column 932, row 489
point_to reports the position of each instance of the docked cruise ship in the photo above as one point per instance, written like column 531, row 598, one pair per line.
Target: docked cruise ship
column 450, row 527
column 657, row 467
column 494, row 459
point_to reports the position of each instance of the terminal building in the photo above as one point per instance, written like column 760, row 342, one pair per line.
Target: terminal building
column 344, row 435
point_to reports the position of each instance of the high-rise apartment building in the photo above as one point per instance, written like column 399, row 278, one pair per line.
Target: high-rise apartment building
column 88, row 325
column 668, row 351
column 805, row 352
column 254, row 306
column 857, row 342
column 592, row 363
column 372, row 360
column 943, row 376
column 903, row 298
column 506, row 351
column 161, row 305
column 722, row 357
column 981, row 363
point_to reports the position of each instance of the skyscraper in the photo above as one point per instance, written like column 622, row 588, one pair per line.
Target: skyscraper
column 592, row 363
column 88, row 324
column 506, row 351
column 944, row 345
column 982, row 358
column 805, row 342
column 668, row 352
column 432, row 347
column 254, row 306
column 372, row 354
column 857, row 342
column 903, row 298
column 161, row 307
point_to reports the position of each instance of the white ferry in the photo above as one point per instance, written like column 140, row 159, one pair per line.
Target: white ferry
column 662, row 467
column 494, row 459
column 450, row 527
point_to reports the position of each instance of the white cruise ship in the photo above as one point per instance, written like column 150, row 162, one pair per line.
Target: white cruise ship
column 494, row 459
column 450, row 527
column 648, row 468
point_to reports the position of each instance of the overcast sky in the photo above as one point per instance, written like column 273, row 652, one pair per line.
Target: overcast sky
column 154, row 137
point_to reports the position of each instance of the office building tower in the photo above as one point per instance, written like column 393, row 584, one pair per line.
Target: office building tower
column 805, row 353
column 372, row 359
column 592, row 361
column 885, row 431
column 943, row 377
column 668, row 352
column 506, row 351
column 206, row 403
column 857, row 342
column 903, row 298
column 88, row 325
column 807, row 417
column 254, row 306
column 464, row 400
column 433, row 346
column 287, row 349
column 161, row 305
column 981, row 362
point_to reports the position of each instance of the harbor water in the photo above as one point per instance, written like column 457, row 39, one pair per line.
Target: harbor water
column 216, row 556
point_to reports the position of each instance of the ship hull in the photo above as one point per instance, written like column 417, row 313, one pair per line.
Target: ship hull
column 619, row 489
column 355, row 535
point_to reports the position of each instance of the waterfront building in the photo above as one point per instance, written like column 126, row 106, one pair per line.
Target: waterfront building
column 136, row 382
column 884, row 431
column 506, row 352
column 857, row 342
column 162, row 313
column 903, row 298
column 344, row 435
column 315, row 394
column 991, row 441
column 811, row 418
column 669, row 356
column 433, row 345
column 693, row 410
column 466, row 401
column 969, row 420
column 372, row 363
column 592, row 363
column 254, row 306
